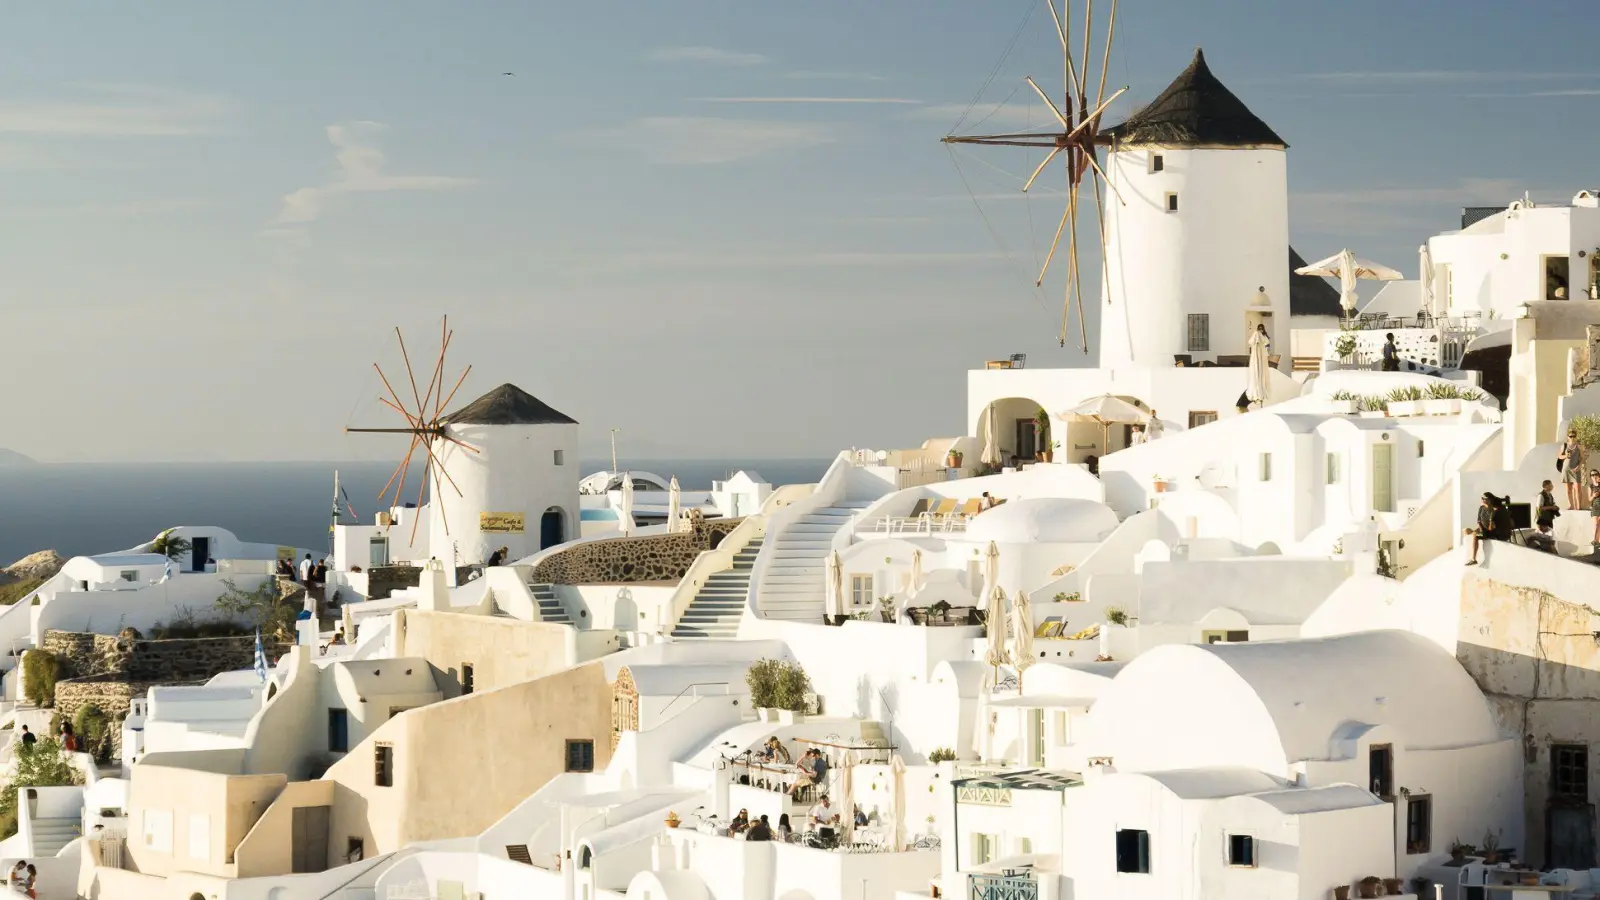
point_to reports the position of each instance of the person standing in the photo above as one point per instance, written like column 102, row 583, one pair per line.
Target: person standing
column 1547, row 506
column 1570, row 460
column 1153, row 428
column 1391, row 354
column 305, row 570
column 28, row 737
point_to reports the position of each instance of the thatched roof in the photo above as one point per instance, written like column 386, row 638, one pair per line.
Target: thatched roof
column 1196, row 110
column 508, row 405
column 1310, row 295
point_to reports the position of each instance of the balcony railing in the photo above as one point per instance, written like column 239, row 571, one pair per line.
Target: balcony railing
column 1003, row 887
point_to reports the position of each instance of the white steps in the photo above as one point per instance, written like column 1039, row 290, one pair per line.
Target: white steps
column 794, row 586
column 50, row 835
column 551, row 608
column 716, row 610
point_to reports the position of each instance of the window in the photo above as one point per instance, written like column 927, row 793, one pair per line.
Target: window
column 1419, row 824
column 1420, row 453
column 561, row 457
column 1133, row 851
column 1380, row 770
column 1241, row 850
column 1199, row 332
column 1569, row 771
column 1158, row 162
column 130, row 575
column 1172, row 202
column 1198, row 417
column 378, row 552
column 338, row 731
column 1232, row 637
column 1449, row 287
column 354, row 850
column 1266, row 467
column 580, row 756
column 861, row 590
column 466, row 678
column 1333, row 468
column 1024, row 845
column 983, row 848
column 383, row 765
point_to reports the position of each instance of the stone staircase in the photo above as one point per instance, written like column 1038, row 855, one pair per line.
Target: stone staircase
column 550, row 606
column 795, row 584
column 715, row 611
column 50, row 835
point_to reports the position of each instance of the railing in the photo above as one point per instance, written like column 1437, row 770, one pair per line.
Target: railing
column 1440, row 343
column 710, row 562
column 694, row 691
column 1003, row 887
column 926, row 523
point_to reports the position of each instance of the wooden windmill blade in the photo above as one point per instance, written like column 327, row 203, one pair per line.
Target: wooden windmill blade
column 1079, row 119
column 425, row 422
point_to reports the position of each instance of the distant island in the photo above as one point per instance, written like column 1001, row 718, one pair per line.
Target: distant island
column 13, row 458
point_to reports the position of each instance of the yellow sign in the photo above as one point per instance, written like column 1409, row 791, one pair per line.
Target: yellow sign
column 286, row 553
column 500, row 522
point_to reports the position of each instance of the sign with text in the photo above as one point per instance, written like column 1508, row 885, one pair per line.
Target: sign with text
column 500, row 522
column 286, row 553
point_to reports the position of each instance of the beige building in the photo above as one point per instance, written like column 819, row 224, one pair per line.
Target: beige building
column 480, row 652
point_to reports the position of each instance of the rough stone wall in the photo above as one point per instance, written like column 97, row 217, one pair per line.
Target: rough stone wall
column 385, row 580
column 630, row 560
column 159, row 662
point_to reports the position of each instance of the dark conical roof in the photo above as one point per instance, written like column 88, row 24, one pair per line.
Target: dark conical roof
column 1310, row 295
column 508, row 405
column 1196, row 110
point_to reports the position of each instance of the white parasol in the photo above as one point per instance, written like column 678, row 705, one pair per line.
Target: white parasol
column 1107, row 410
column 674, row 498
column 916, row 574
column 1022, row 640
column 1347, row 267
column 836, row 579
column 1258, row 387
column 995, row 613
column 991, row 440
column 897, row 766
column 625, row 517
column 1425, row 272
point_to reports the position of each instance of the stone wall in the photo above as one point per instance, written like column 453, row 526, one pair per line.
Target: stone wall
column 385, row 580
column 631, row 560
column 168, row 661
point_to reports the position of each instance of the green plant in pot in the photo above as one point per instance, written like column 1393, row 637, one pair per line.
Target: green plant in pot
column 1588, row 429
column 1041, row 420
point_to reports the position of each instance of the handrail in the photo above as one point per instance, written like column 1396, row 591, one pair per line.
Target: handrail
column 708, row 563
column 387, row 857
column 687, row 688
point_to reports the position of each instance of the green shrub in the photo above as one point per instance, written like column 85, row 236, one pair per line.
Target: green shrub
column 941, row 754
column 1588, row 428
column 1116, row 616
column 762, row 678
column 1344, row 395
column 1404, row 394
column 792, row 687
column 1443, row 390
column 170, row 545
column 93, row 728
column 11, row 593
column 40, row 670
column 1374, row 404
column 38, row 765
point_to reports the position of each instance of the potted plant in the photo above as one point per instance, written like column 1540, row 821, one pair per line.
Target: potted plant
column 672, row 819
column 1405, row 401
column 1162, row 483
column 941, row 754
column 1393, row 887
column 1491, row 847
column 762, row 678
column 1064, row 597
column 886, row 609
column 1344, row 403
column 1117, row 616
column 1345, row 347
column 1370, row 886
column 1341, row 892
column 1441, row 400
column 952, row 460
column 1373, row 408
column 1041, row 420
column 791, row 684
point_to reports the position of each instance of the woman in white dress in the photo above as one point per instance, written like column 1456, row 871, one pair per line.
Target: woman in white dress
column 1260, row 352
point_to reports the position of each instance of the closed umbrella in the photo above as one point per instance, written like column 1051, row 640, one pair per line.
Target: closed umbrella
column 626, row 515
column 836, row 579
column 1259, row 385
column 995, row 610
column 897, row 767
column 1022, row 640
column 1425, row 272
column 916, row 574
column 1348, row 268
column 847, row 787
column 991, row 440
column 673, row 499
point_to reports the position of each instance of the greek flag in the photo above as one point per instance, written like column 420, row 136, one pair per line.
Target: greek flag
column 166, row 572
column 261, row 659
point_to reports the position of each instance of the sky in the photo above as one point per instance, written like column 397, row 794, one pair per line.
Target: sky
column 725, row 229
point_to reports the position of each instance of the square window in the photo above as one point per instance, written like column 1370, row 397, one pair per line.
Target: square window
column 130, row 575
column 354, row 850
column 1158, row 162
column 861, row 588
column 1333, row 468
column 1380, row 770
column 383, row 765
column 1266, row 467
column 1133, row 851
column 1569, row 771
column 1419, row 824
column 338, row 731
column 580, row 756
column 1241, row 850
column 561, row 457
column 1172, row 202
column 1199, row 333
column 1198, row 417
column 1420, row 449
column 466, row 678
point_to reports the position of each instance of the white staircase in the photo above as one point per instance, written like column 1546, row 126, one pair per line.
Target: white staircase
column 715, row 611
column 795, row 584
column 551, row 608
column 50, row 835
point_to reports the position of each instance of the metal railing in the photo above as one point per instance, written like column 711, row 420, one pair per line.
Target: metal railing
column 1003, row 887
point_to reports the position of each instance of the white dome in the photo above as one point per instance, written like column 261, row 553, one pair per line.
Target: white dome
column 1043, row 520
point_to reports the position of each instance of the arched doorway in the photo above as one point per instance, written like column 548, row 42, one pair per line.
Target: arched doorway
column 1017, row 430
column 552, row 527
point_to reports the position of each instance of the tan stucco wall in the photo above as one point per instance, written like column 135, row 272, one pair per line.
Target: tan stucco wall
column 231, row 803
column 462, row 764
column 269, row 847
column 502, row 651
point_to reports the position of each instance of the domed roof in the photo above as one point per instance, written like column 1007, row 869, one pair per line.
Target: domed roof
column 1043, row 519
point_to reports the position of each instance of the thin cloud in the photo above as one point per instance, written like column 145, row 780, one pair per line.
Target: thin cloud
column 360, row 170
column 707, row 140
column 1413, row 211
column 115, row 111
column 711, row 56
column 781, row 259
column 804, row 75
column 887, row 100
column 1438, row 76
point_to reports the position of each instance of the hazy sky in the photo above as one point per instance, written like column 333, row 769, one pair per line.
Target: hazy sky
column 726, row 228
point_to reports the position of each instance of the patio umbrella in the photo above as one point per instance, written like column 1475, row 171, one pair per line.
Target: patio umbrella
column 1106, row 410
column 1258, row 387
column 847, row 787
column 916, row 574
column 995, row 612
column 1022, row 640
column 991, row 440
column 1425, row 272
column 836, row 579
column 673, row 499
column 1347, row 267
column 625, row 517
column 897, row 767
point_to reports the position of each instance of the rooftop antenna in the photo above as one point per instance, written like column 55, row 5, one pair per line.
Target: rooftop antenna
column 1079, row 120
column 426, row 425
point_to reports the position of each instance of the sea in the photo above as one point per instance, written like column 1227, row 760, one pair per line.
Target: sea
column 79, row 509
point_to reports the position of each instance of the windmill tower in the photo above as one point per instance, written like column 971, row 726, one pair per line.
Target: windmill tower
column 498, row 472
column 1195, row 256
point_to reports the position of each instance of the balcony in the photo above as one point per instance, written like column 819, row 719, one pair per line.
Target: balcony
column 1009, row 885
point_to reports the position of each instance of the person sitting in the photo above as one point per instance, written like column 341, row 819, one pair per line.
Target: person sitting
column 760, row 831
column 861, row 817
column 740, row 823
column 813, row 769
column 824, row 818
column 497, row 558
column 785, row 830
column 774, row 752
column 1542, row 538
column 1494, row 524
